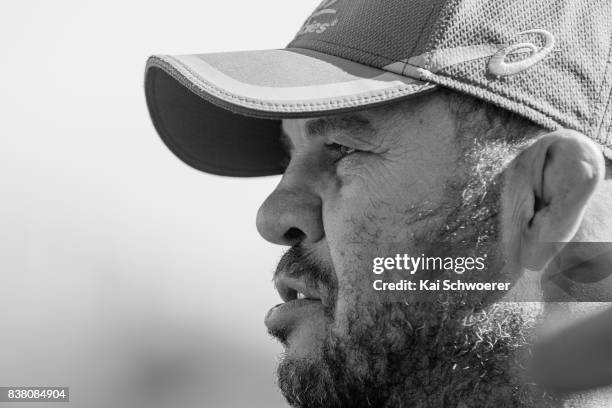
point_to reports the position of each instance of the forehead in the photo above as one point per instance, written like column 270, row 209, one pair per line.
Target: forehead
column 424, row 113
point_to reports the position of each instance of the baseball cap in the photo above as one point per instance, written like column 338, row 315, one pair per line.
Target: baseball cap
column 547, row 60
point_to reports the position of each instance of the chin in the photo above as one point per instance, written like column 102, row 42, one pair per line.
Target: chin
column 306, row 341
column 306, row 382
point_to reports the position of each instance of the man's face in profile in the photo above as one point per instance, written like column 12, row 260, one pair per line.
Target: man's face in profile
column 375, row 183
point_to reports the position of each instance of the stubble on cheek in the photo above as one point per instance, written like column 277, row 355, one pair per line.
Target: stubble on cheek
column 379, row 229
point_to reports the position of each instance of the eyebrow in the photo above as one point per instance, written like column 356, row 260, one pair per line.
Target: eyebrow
column 349, row 123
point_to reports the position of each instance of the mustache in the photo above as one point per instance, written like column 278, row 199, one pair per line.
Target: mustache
column 297, row 263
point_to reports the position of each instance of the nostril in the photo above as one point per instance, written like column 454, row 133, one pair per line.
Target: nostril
column 294, row 234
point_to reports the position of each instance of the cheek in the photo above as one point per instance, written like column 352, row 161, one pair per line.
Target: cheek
column 357, row 231
column 398, row 178
column 354, row 244
column 370, row 211
column 378, row 202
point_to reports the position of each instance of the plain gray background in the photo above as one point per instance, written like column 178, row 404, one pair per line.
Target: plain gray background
column 126, row 275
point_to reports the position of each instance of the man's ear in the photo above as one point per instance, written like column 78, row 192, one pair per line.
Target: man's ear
column 547, row 189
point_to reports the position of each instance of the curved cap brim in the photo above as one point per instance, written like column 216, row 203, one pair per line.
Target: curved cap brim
column 220, row 113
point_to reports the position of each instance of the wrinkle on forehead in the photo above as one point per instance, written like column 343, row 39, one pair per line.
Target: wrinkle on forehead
column 365, row 126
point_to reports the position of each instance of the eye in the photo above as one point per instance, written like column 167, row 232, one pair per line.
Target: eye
column 340, row 150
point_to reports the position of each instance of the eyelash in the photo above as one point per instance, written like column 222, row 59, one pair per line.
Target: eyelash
column 343, row 150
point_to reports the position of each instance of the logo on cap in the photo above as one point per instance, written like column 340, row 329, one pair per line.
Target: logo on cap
column 498, row 65
column 321, row 19
column 421, row 66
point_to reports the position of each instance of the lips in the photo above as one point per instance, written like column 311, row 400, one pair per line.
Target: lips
column 291, row 289
column 301, row 301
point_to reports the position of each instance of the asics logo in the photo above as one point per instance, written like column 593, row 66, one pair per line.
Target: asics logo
column 498, row 65
column 321, row 19
column 420, row 66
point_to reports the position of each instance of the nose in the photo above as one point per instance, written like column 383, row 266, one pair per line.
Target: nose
column 291, row 214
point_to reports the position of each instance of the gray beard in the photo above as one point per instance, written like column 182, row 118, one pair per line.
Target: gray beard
column 463, row 352
column 430, row 353
column 419, row 355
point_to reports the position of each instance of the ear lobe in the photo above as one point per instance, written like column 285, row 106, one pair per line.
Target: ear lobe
column 564, row 169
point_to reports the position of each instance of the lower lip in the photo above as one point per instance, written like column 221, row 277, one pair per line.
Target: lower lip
column 286, row 315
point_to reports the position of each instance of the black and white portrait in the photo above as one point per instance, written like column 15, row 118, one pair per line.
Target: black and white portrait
column 345, row 203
